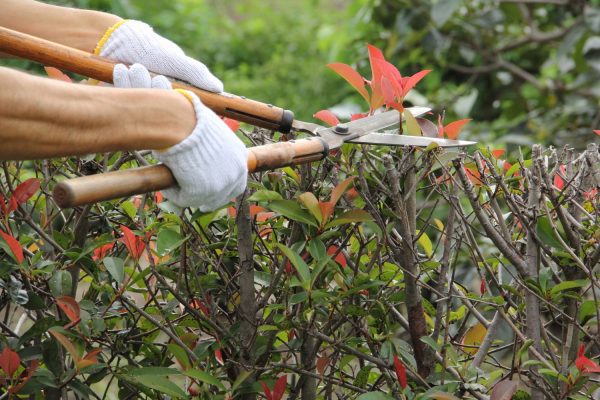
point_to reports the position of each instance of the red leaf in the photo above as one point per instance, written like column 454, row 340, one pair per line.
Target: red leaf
column 25, row 190
column 232, row 124
column 482, row 287
column 322, row 363
column 354, row 117
column 352, row 77
column 591, row 194
column 440, row 127
column 328, row 117
column 158, row 197
column 376, row 75
column 219, row 356
column 263, row 216
column 339, row 190
column 390, row 72
column 199, row 305
column 400, row 372
column 101, row 252
column 93, row 355
column 135, row 245
column 254, row 209
column 2, row 206
column 326, row 208
column 453, row 129
column 583, row 363
column 28, row 374
column 498, row 153
column 279, row 388
column 9, row 362
column 413, row 80
column 69, row 306
column 14, row 245
column 597, row 132
column 292, row 334
column 266, row 391
column 57, row 74
column 558, row 180
column 427, row 127
column 340, row 259
column 389, row 94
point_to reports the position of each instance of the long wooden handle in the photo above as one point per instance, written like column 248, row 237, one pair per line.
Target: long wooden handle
column 66, row 58
column 125, row 183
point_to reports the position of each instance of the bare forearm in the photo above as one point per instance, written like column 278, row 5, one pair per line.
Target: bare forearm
column 42, row 118
column 81, row 29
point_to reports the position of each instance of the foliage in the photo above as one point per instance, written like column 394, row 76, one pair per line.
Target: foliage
column 378, row 273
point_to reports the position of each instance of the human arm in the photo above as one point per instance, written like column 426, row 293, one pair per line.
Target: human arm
column 81, row 29
column 106, row 35
column 43, row 118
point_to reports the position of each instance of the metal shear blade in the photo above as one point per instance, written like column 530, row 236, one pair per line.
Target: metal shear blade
column 363, row 131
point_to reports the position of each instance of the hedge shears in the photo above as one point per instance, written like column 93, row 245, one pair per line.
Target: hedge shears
column 125, row 183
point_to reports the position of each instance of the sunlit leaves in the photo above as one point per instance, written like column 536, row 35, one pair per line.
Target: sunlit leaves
column 328, row 117
column 352, row 77
column 387, row 86
column 453, row 129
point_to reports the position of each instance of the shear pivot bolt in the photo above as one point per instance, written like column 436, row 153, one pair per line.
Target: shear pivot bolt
column 341, row 128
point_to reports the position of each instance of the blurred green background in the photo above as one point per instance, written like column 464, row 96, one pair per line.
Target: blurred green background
column 524, row 70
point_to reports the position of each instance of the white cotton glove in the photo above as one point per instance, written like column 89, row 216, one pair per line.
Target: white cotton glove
column 210, row 165
column 137, row 76
column 136, row 42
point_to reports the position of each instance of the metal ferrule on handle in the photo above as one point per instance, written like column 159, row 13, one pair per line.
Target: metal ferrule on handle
column 124, row 183
column 66, row 58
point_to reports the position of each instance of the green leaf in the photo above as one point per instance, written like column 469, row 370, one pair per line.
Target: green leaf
column 292, row 210
column 316, row 248
column 153, row 371
column 204, row 377
column 129, row 209
column 167, row 241
column 179, row 354
column 297, row 262
column 588, row 309
column 566, row 285
column 425, row 242
column 60, row 283
column 309, row 201
column 115, row 268
column 350, row 217
column 442, row 10
column 265, row 195
column 240, row 379
column 412, row 126
column 430, row 342
column 298, row 298
column 546, row 233
column 158, row 383
column 374, row 396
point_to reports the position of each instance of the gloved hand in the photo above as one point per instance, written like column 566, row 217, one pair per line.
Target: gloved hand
column 133, row 42
column 210, row 165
